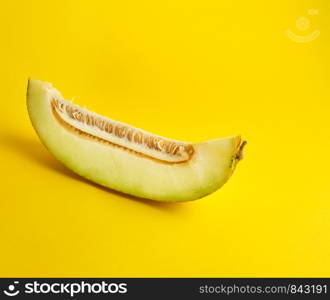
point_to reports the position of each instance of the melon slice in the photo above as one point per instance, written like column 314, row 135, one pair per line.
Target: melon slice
column 125, row 158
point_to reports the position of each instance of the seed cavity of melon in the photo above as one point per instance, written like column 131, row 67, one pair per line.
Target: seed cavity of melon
column 103, row 129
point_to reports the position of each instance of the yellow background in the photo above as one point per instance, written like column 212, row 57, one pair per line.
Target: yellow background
column 189, row 70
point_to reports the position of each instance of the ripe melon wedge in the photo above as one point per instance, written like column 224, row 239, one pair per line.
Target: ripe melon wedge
column 125, row 158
